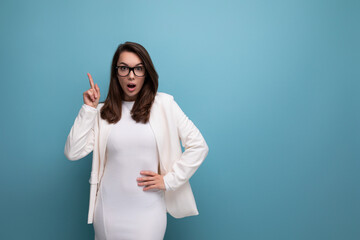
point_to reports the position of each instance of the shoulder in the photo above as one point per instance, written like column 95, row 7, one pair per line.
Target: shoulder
column 166, row 101
column 100, row 105
column 164, row 96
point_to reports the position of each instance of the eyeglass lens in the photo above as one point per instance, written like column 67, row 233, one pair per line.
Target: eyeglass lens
column 125, row 70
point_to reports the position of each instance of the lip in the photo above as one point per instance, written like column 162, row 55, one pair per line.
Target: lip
column 131, row 89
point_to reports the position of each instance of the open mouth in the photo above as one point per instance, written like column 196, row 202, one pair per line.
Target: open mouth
column 131, row 86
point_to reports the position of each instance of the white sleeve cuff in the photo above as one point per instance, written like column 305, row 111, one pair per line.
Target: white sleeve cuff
column 166, row 186
column 87, row 107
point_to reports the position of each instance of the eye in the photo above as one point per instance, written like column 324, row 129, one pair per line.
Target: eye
column 122, row 68
column 139, row 68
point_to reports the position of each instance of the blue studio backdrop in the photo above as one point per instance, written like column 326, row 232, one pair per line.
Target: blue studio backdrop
column 273, row 86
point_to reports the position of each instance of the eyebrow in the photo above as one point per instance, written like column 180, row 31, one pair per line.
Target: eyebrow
column 128, row 65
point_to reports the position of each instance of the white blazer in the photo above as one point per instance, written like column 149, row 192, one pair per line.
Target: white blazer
column 170, row 125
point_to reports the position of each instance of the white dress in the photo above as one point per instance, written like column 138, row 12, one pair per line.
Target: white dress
column 123, row 210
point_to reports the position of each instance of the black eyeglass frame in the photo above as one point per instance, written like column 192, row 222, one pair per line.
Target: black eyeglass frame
column 130, row 69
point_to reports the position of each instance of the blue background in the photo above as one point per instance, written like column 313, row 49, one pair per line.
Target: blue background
column 273, row 87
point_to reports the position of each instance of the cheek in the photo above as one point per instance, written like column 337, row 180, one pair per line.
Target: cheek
column 121, row 81
column 142, row 82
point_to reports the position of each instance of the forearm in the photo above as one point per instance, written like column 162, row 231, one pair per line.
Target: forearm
column 80, row 140
column 186, row 166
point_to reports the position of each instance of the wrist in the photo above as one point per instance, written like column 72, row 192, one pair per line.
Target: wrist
column 88, row 107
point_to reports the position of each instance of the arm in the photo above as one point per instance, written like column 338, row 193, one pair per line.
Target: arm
column 80, row 141
column 167, row 188
column 195, row 152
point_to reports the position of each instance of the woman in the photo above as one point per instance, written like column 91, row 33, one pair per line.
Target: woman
column 139, row 171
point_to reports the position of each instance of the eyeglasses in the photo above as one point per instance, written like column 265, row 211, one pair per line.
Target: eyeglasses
column 123, row 71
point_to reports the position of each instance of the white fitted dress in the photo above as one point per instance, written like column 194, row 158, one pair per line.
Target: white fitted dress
column 123, row 210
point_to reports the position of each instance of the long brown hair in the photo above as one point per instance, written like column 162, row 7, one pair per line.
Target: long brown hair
column 111, row 111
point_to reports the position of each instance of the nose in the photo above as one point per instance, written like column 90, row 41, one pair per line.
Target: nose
column 132, row 74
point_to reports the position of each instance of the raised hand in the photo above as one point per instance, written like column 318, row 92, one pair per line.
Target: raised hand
column 92, row 96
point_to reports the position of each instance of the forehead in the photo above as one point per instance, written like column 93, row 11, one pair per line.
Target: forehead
column 129, row 58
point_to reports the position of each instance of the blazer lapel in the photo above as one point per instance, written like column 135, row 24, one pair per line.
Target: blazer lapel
column 157, row 124
column 105, row 128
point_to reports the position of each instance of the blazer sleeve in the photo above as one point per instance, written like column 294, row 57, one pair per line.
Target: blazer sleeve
column 195, row 152
column 80, row 141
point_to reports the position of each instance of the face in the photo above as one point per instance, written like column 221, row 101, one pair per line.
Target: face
column 130, row 59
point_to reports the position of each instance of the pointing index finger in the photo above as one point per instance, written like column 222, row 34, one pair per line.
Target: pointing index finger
column 91, row 81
